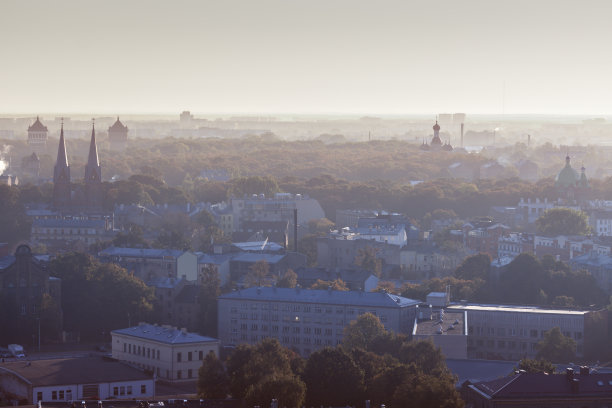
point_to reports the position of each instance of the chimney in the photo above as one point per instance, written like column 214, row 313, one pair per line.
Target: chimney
column 575, row 384
column 584, row 370
column 462, row 135
column 295, row 230
column 569, row 372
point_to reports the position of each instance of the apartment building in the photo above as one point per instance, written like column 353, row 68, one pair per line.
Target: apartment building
column 305, row 320
column 502, row 332
column 172, row 354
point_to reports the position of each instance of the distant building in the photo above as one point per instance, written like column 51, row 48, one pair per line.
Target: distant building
column 305, row 320
column 355, row 279
column 38, row 135
column 503, row 332
column 172, row 354
column 571, row 185
column 24, row 282
column 447, row 330
column 579, row 388
column 598, row 265
column 118, row 136
column 69, row 379
column 148, row 264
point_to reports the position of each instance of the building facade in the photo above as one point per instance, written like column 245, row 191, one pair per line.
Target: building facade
column 172, row 354
column 38, row 135
column 305, row 320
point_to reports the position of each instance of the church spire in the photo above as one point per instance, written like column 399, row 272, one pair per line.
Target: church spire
column 61, row 175
column 92, row 160
column 62, row 158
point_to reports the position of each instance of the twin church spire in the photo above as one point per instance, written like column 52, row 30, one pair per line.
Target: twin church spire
column 62, row 192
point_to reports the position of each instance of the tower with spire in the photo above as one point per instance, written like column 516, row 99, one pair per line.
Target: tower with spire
column 61, row 175
column 436, row 142
column 93, row 173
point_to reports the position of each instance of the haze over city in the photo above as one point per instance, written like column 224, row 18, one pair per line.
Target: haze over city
column 310, row 57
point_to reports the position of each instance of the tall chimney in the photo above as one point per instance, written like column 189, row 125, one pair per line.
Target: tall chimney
column 295, row 227
column 462, row 135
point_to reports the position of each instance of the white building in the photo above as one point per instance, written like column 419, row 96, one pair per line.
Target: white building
column 305, row 320
column 172, row 354
column 74, row 379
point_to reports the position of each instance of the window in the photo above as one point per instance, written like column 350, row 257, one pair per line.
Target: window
column 317, row 330
column 124, row 347
column 143, row 389
column 61, row 394
column 200, row 355
column 54, row 395
column 178, row 358
column 122, row 390
column 39, row 396
column 189, row 356
column 115, row 391
column 533, row 333
column 189, row 373
column 158, row 354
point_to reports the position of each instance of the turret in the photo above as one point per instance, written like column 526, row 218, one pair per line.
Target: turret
column 61, row 175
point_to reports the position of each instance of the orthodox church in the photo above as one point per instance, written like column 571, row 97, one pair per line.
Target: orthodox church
column 436, row 142
column 87, row 197
column 570, row 184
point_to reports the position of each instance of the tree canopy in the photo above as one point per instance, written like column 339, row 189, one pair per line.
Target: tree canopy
column 563, row 221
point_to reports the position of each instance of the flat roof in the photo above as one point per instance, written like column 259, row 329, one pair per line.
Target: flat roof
column 69, row 371
column 163, row 334
column 516, row 309
column 449, row 319
column 321, row 296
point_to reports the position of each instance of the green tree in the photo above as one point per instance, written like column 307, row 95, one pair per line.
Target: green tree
column 133, row 238
column 99, row 297
column 259, row 274
column 288, row 280
column 474, row 267
column 367, row 259
column 562, row 221
column 362, row 331
column 213, row 381
column 556, row 347
column 337, row 284
column 536, row 366
column 288, row 390
column 332, row 378
column 207, row 299
column 425, row 355
column 427, row 391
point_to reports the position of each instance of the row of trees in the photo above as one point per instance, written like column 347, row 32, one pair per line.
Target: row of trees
column 371, row 363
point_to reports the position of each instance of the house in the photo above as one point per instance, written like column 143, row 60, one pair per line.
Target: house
column 172, row 354
column 581, row 388
column 355, row 279
column 24, row 283
column 305, row 320
column 149, row 264
column 71, row 379
column 598, row 265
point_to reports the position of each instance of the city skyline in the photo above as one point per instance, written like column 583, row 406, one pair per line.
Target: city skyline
column 316, row 57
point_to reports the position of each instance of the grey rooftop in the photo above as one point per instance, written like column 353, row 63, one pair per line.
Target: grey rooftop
column 330, row 297
column 163, row 334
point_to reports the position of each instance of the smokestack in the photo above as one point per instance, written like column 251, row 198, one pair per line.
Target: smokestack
column 462, row 135
column 295, row 225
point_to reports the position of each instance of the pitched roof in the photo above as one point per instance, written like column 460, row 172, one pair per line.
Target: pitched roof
column 140, row 252
column 538, row 385
column 73, row 371
column 117, row 126
column 334, row 297
column 164, row 334
column 37, row 126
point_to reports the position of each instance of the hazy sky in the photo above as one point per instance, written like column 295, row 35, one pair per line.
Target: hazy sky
column 306, row 56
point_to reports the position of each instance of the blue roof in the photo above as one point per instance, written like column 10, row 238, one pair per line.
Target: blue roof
column 167, row 283
column 140, row 252
column 258, row 246
column 593, row 259
column 215, row 259
column 254, row 257
column 334, row 297
column 6, row 261
column 163, row 334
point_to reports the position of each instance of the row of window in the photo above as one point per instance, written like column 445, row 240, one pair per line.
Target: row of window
column 516, row 332
column 298, row 308
column 286, row 340
column 127, row 390
column 286, row 329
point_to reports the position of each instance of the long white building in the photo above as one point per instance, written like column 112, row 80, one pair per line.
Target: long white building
column 305, row 320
